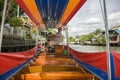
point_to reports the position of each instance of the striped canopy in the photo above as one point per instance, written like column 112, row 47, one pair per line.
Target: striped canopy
column 50, row 13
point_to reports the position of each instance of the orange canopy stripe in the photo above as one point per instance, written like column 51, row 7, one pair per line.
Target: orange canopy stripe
column 42, row 26
column 79, row 5
column 34, row 11
column 70, row 7
column 31, row 8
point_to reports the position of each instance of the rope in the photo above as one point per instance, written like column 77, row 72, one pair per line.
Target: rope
column 101, row 7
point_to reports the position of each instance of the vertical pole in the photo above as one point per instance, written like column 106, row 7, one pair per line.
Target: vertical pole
column 62, row 36
column 45, row 34
column 24, row 35
column 2, row 23
column 37, row 35
column 107, row 41
column 18, row 11
column 67, row 36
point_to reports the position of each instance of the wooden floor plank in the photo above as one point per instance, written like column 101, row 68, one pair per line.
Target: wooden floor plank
column 57, row 76
column 54, row 67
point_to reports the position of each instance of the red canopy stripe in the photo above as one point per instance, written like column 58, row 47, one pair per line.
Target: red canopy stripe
column 24, row 7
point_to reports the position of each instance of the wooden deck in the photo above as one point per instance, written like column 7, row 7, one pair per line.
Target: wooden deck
column 53, row 67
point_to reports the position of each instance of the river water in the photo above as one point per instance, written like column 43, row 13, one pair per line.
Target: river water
column 87, row 48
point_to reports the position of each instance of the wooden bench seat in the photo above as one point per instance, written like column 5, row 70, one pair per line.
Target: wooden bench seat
column 32, row 76
column 57, row 68
column 59, row 59
column 56, row 76
column 64, row 63
column 40, row 61
column 58, row 56
column 34, row 69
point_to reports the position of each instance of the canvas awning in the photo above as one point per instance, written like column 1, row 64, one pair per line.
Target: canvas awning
column 118, row 31
column 50, row 13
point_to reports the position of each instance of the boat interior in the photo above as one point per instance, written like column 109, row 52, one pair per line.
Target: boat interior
column 54, row 66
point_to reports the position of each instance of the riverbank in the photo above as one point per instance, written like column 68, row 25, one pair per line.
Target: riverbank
column 89, row 48
column 111, row 44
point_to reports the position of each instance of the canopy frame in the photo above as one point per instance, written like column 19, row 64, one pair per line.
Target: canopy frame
column 3, row 23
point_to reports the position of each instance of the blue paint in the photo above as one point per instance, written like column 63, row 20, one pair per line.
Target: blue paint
column 113, row 68
column 118, row 31
column 99, row 73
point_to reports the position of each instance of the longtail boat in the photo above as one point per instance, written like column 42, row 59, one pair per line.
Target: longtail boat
column 56, row 65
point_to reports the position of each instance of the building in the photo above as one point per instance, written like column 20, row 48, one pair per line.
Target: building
column 115, row 37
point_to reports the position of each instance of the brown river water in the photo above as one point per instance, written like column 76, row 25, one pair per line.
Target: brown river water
column 87, row 48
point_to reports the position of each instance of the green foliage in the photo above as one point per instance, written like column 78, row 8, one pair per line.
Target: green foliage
column 15, row 21
column 94, row 35
column 52, row 30
column 90, row 36
column 101, row 40
column 11, row 10
column 1, row 4
column 35, row 32
column 97, row 31
column 62, row 37
column 1, row 8
column 84, row 38
column 28, row 36
column 87, row 37
column 71, row 39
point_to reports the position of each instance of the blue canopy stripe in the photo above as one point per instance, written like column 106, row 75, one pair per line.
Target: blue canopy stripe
column 51, row 9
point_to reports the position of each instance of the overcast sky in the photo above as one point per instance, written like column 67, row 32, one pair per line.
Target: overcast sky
column 89, row 17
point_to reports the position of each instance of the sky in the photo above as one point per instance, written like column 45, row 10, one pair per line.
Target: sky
column 89, row 17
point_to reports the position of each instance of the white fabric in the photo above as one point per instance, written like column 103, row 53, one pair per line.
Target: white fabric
column 57, row 38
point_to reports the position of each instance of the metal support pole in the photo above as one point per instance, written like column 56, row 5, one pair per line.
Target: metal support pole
column 2, row 23
column 37, row 35
column 107, row 42
column 18, row 11
column 62, row 37
column 67, row 37
column 24, row 35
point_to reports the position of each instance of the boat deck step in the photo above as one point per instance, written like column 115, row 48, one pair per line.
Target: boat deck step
column 56, row 76
column 56, row 68
column 58, row 59
column 66, row 63
column 53, row 60
column 57, row 56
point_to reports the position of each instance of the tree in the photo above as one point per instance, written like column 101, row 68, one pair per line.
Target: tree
column 1, row 8
column 8, row 9
column 71, row 39
column 84, row 38
column 11, row 10
column 97, row 31
column 101, row 40
column 14, row 21
column 94, row 35
column 62, row 37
